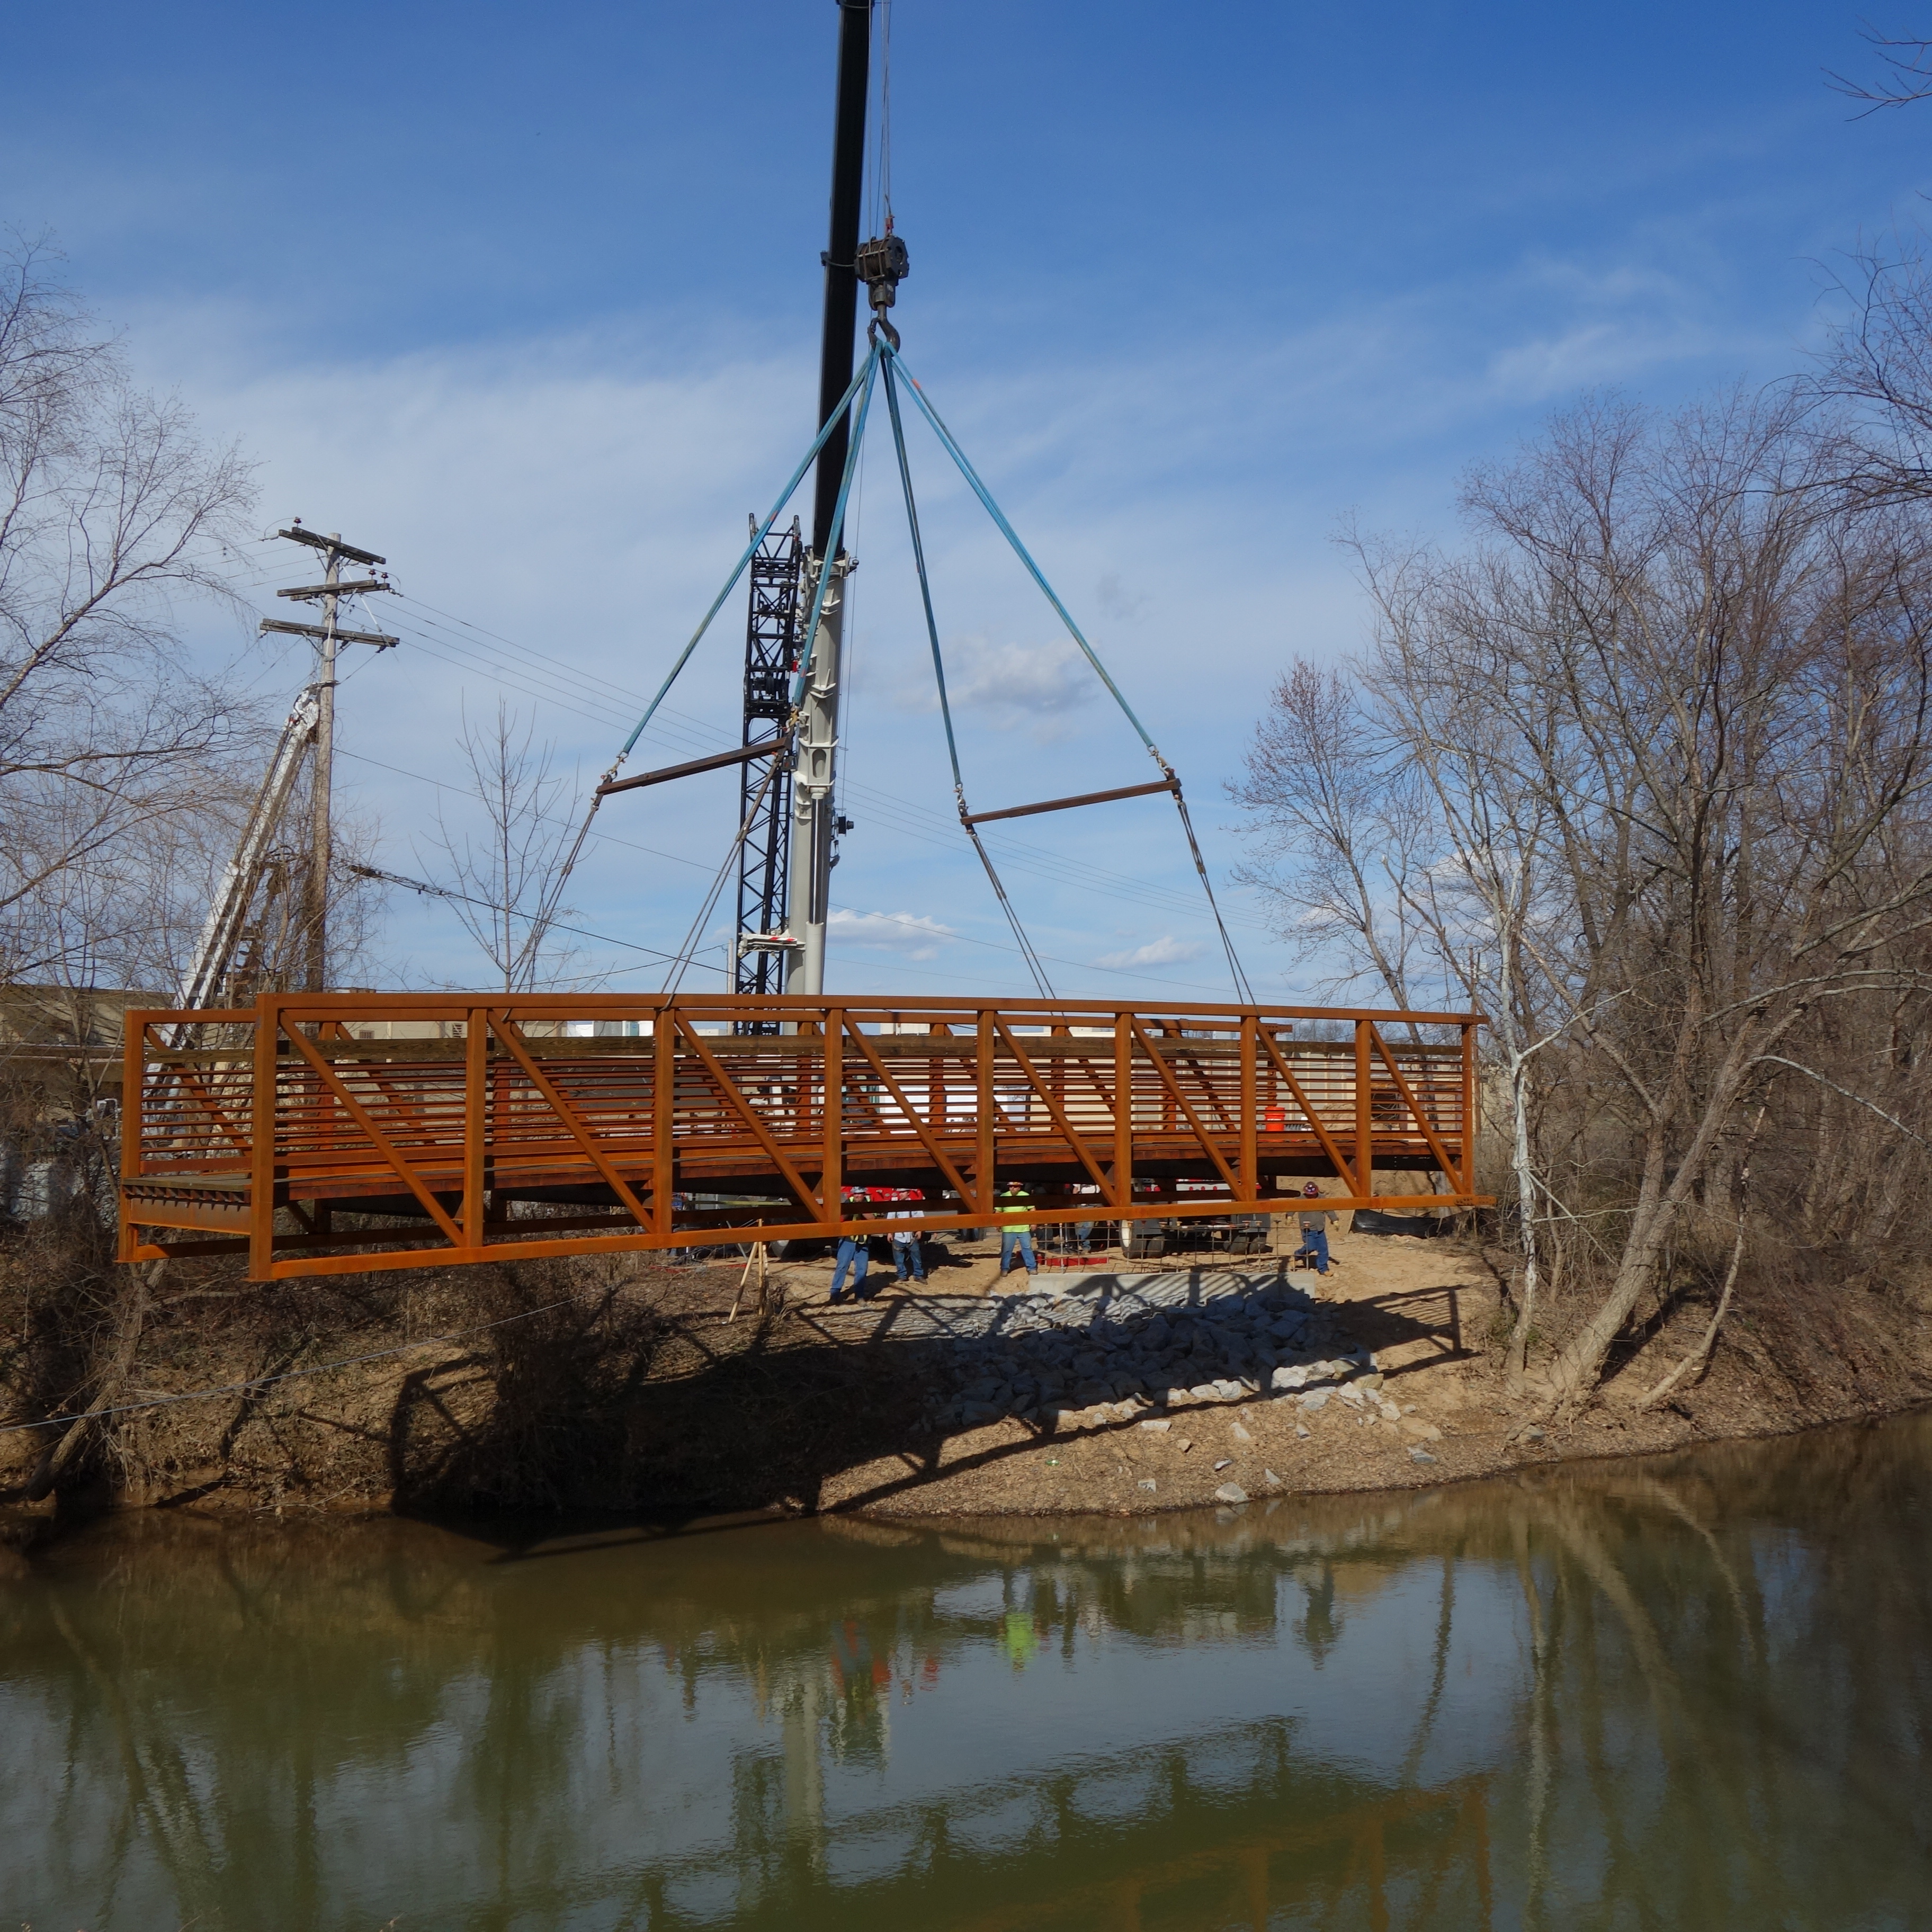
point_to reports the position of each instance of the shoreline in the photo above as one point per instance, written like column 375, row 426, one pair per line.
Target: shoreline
column 1120, row 1390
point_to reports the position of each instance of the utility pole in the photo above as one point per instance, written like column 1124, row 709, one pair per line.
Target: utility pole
column 816, row 742
column 328, row 636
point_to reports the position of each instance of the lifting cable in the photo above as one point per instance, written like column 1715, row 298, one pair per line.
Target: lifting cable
column 1032, row 958
column 857, row 401
column 809, row 636
column 862, row 380
column 993, row 510
column 863, row 384
column 686, row 953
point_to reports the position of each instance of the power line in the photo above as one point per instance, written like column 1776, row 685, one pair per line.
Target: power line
column 424, row 887
column 1040, row 860
column 609, row 838
column 900, row 814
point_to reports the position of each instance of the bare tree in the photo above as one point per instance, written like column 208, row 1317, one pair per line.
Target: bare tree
column 506, row 881
column 1906, row 63
column 1671, row 713
column 1339, row 832
column 110, row 508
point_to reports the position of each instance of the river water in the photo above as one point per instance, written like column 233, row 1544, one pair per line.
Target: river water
column 1687, row 1693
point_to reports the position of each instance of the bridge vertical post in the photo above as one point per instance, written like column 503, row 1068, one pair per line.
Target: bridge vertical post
column 475, row 1119
column 1365, row 1123
column 983, row 1071
column 1123, row 1110
column 1468, row 1107
column 1250, row 1156
column 262, row 1138
column 832, row 1180
column 133, row 1066
column 664, row 1117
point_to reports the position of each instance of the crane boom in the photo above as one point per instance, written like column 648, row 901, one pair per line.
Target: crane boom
column 215, row 951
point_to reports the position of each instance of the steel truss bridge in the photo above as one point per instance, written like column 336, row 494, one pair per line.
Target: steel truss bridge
column 329, row 1133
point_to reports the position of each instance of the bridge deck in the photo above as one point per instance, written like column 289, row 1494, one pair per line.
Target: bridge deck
column 344, row 1131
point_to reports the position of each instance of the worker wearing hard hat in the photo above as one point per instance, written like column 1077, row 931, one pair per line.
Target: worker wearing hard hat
column 1015, row 1231
column 1315, row 1222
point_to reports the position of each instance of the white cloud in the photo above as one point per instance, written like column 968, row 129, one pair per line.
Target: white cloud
column 1165, row 951
column 1030, row 688
column 914, row 935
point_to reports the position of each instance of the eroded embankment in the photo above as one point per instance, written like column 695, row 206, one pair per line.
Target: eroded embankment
column 607, row 1387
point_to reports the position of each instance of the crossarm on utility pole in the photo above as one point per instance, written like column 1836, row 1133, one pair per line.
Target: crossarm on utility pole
column 324, row 633
column 355, row 590
column 314, row 541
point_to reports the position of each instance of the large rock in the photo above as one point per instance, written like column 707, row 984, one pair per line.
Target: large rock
column 1313, row 1399
column 1231, row 1492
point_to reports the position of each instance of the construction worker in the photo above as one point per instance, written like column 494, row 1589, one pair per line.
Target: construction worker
column 905, row 1246
column 1015, row 1231
column 1315, row 1222
column 854, row 1252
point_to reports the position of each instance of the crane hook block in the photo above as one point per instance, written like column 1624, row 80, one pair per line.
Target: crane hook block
column 882, row 264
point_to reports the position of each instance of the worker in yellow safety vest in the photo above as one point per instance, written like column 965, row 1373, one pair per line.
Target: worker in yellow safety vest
column 1015, row 1231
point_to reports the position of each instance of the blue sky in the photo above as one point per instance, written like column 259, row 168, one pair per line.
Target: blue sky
column 528, row 301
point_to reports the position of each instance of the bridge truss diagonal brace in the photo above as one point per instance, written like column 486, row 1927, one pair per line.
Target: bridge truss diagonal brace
column 1060, row 1119
column 364, row 1119
column 192, row 1084
column 807, row 1198
column 1414, row 1106
column 927, row 1139
column 1235, row 1185
column 507, row 1031
column 1329, row 1145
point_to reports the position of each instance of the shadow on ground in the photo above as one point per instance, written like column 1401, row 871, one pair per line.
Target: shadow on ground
column 774, row 1412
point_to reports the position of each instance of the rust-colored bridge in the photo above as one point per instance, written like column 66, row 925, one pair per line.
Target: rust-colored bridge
column 335, row 1132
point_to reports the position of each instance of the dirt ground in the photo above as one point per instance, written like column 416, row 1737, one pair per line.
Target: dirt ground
column 1429, row 1309
column 635, row 1389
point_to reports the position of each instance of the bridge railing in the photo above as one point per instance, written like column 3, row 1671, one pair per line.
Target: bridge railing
column 351, row 1131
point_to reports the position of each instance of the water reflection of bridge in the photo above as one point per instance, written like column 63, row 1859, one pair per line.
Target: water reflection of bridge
column 1612, row 1696
column 1228, row 1829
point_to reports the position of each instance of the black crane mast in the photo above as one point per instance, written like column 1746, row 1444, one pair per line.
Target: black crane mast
column 793, row 827
column 771, row 658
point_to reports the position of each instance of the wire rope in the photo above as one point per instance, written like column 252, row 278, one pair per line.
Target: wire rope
column 822, row 586
column 1032, row 958
column 424, row 887
column 993, row 510
column 860, row 386
column 906, row 815
column 675, row 973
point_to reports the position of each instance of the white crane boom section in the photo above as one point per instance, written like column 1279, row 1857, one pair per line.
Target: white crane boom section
column 215, row 951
